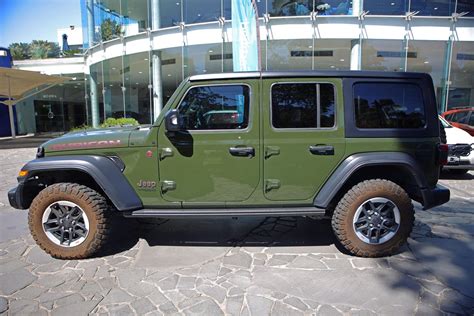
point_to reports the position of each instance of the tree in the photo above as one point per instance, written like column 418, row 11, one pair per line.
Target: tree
column 40, row 49
column 19, row 51
column 110, row 29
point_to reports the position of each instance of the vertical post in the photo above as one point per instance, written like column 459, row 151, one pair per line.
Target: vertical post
column 356, row 7
column 156, row 63
column 446, row 80
column 92, row 81
column 355, row 54
column 90, row 22
column 94, row 97
column 10, row 110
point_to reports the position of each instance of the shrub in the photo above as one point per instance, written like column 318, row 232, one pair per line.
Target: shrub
column 114, row 122
column 110, row 122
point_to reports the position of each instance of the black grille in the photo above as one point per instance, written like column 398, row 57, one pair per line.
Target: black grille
column 460, row 150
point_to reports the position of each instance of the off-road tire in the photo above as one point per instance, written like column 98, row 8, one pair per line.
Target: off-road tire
column 342, row 219
column 91, row 202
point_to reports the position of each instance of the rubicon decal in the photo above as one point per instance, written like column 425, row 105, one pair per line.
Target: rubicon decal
column 82, row 145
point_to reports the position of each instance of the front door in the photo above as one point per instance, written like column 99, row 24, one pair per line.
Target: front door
column 303, row 136
column 215, row 158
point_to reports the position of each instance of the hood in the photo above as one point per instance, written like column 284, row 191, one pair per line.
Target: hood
column 456, row 135
column 90, row 139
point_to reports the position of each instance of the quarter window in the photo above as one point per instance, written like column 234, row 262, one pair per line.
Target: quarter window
column 303, row 105
column 216, row 107
column 389, row 105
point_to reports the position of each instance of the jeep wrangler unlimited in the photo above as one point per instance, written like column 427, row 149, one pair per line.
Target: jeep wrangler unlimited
column 356, row 146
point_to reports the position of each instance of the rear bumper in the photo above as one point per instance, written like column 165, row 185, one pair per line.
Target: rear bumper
column 15, row 197
column 435, row 197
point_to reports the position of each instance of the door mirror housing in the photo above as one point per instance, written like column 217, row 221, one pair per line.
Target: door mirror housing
column 173, row 121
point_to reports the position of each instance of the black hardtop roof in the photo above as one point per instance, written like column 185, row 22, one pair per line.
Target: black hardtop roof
column 310, row 73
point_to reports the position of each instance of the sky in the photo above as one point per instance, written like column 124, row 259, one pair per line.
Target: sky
column 27, row 20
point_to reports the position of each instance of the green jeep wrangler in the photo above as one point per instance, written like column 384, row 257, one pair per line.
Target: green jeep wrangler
column 356, row 146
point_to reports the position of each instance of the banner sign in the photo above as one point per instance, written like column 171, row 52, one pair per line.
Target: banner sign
column 244, row 36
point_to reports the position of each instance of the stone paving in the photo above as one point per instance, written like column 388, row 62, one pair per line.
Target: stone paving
column 249, row 266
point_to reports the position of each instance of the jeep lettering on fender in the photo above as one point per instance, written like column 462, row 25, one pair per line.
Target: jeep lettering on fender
column 356, row 146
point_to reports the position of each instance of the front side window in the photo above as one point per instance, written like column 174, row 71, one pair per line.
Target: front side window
column 389, row 105
column 303, row 105
column 216, row 107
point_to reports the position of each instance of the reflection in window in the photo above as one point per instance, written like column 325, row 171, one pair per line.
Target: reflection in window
column 388, row 105
column 386, row 7
column 465, row 6
column 201, row 11
column 384, row 55
column 216, row 107
column 170, row 13
column 303, row 105
column 305, row 7
column 461, row 90
column 433, row 7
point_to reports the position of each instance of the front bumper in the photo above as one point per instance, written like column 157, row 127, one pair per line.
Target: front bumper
column 15, row 197
column 434, row 197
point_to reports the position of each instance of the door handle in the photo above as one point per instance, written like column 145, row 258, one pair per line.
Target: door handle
column 323, row 150
column 242, row 151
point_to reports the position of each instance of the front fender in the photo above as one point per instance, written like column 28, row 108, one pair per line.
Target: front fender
column 103, row 170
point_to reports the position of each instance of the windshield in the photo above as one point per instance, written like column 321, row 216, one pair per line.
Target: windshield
column 444, row 122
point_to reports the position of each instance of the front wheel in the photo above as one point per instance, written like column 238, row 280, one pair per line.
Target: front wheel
column 69, row 220
column 374, row 218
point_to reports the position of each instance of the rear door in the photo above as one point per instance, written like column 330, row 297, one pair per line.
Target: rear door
column 303, row 136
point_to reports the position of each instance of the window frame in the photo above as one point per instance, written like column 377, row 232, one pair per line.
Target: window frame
column 231, row 130
column 295, row 129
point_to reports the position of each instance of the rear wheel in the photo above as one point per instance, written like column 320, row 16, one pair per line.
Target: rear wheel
column 69, row 221
column 374, row 218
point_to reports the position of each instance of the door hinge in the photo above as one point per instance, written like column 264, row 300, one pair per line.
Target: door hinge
column 167, row 185
column 271, row 151
column 271, row 184
column 165, row 152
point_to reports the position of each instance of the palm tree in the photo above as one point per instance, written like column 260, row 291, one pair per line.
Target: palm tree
column 40, row 49
column 19, row 51
column 110, row 29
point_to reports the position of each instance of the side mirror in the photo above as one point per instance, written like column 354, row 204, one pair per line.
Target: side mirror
column 172, row 121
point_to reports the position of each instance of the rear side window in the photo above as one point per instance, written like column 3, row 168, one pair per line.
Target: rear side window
column 216, row 107
column 389, row 105
column 460, row 117
column 303, row 105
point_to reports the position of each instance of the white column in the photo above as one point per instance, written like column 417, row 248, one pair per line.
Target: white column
column 156, row 63
column 92, row 83
column 356, row 7
column 10, row 111
column 355, row 55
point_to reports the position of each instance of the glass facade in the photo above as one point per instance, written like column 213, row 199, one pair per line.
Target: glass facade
column 56, row 109
column 124, row 86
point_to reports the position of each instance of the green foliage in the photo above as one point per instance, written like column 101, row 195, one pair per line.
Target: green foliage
column 110, row 122
column 82, row 127
column 20, row 51
column 40, row 49
column 71, row 52
column 113, row 122
column 110, row 29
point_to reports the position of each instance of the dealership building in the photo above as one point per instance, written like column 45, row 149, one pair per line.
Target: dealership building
column 138, row 51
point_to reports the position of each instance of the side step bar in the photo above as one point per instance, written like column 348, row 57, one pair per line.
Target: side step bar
column 226, row 212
